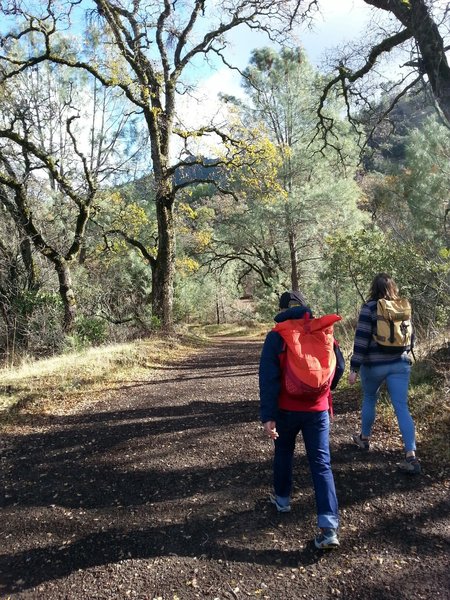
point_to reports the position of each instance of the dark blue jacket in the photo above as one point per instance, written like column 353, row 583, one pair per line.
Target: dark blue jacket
column 269, row 365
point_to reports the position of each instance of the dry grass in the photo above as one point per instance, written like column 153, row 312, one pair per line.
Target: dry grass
column 430, row 401
column 55, row 385
column 257, row 330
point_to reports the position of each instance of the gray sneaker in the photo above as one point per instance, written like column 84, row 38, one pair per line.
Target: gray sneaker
column 283, row 505
column 410, row 465
column 327, row 539
column 363, row 444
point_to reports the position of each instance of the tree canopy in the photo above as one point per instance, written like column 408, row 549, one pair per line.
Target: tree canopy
column 418, row 28
column 116, row 211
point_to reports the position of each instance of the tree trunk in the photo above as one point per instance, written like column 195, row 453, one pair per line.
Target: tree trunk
column 336, row 297
column 67, row 295
column 15, row 310
column 294, row 260
column 415, row 16
column 217, row 309
column 26, row 252
column 23, row 217
column 164, row 270
column 434, row 60
column 32, row 286
column 10, row 324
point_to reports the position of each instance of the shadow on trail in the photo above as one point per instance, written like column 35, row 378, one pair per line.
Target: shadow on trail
column 116, row 453
column 182, row 378
column 100, row 548
column 403, row 581
column 115, row 467
column 197, row 537
column 196, row 410
column 62, row 466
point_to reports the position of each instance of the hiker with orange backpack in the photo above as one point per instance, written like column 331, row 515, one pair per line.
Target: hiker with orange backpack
column 296, row 372
column 383, row 340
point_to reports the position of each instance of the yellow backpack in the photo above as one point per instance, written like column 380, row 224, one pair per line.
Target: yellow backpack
column 394, row 327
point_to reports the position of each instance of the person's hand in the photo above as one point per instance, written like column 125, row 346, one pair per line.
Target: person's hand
column 352, row 377
column 270, row 429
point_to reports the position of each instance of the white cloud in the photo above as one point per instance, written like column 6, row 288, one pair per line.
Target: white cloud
column 203, row 107
column 339, row 23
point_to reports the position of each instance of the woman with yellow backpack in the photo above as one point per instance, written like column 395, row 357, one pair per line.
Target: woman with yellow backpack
column 383, row 340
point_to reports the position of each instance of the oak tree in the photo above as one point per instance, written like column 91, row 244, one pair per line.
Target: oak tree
column 144, row 48
column 419, row 28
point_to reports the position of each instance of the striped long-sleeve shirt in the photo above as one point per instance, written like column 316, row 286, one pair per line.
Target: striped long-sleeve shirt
column 365, row 349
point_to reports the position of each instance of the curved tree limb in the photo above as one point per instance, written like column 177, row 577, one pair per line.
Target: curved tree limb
column 136, row 244
column 345, row 77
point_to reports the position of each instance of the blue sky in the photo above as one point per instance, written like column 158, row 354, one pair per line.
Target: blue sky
column 340, row 21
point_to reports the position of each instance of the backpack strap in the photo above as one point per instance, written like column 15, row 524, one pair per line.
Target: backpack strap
column 307, row 323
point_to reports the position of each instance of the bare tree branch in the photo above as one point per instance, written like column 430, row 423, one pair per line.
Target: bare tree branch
column 135, row 243
column 345, row 77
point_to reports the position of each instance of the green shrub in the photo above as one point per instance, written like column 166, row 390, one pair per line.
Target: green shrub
column 91, row 331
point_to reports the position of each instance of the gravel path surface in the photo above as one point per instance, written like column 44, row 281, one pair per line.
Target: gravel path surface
column 159, row 491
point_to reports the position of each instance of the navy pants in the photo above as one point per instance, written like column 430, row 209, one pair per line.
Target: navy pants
column 315, row 428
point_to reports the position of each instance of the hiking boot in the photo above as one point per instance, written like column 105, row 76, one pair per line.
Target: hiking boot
column 363, row 444
column 327, row 539
column 282, row 504
column 410, row 465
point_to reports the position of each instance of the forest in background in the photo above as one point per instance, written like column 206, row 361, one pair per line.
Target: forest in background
column 117, row 219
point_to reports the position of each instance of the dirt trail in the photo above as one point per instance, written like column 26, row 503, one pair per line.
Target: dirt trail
column 160, row 491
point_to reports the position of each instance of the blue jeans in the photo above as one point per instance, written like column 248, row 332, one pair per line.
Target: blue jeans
column 315, row 429
column 396, row 375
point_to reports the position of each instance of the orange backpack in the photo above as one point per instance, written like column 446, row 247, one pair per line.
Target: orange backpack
column 310, row 361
